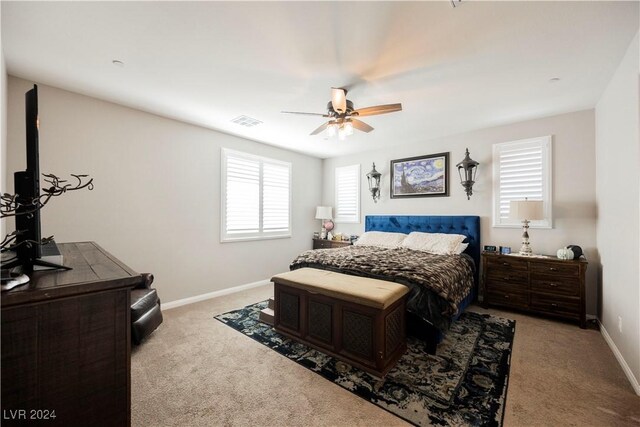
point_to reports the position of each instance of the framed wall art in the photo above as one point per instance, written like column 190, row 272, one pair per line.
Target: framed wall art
column 421, row 176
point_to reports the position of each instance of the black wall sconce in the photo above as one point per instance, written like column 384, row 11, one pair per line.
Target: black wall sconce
column 374, row 183
column 470, row 168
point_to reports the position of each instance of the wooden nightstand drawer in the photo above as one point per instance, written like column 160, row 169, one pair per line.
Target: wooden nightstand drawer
column 556, row 286
column 507, row 276
column 507, row 262
column 565, row 306
column 508, row 299
column 555, row 268
column 329, row 244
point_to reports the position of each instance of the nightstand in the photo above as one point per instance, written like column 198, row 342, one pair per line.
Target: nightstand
column 329, row 244
column 548, row 286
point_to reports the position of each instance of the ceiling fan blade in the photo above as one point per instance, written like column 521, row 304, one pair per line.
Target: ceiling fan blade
column 378, row 109
column 361, row 126
column 339, row 99
column 320, row 129
column 306, row 114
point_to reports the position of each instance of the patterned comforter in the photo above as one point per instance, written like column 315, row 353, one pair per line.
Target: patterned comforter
column 438, row 283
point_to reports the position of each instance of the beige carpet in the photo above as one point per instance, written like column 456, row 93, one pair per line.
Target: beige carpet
column 195, row 371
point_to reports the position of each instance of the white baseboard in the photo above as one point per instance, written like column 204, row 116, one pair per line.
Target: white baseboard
column 623, row 363
column 215, row 294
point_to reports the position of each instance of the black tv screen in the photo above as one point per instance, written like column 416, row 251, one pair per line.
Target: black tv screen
column 27, row 183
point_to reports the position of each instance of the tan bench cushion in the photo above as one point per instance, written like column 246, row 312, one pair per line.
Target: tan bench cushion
column 359, row 290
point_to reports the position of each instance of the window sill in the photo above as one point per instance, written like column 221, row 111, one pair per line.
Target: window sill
column 250, row 238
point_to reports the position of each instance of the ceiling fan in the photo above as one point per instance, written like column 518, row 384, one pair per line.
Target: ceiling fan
column 342, row 115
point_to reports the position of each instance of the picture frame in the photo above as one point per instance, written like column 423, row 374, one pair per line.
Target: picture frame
column 420, row 176
column 505, row 250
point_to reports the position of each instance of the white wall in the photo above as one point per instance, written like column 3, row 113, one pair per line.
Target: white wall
column 157, row 191
column 573, row 185
column 618, row 198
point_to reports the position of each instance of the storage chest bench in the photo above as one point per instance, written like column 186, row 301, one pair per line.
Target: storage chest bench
column 356, row 319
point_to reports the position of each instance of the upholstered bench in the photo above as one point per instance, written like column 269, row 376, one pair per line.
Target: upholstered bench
column 358, row 320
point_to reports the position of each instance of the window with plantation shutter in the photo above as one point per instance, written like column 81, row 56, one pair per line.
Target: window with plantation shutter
column 256, row 197
column 522, row 170
column 347, row 191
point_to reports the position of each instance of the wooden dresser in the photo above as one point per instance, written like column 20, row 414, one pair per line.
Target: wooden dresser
column 329, row 244
column 66, row 346
column 548, row 286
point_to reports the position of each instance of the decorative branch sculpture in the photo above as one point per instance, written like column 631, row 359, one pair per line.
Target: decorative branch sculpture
column 11, row 202
column 13, row 205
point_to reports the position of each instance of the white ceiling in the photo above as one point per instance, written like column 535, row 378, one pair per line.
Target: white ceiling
column 453, row 69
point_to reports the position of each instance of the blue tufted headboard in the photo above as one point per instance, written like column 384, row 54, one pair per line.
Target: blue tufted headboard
column 466, row 225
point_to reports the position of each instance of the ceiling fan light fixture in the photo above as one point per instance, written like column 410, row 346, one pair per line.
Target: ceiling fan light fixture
column 344, row 118
column 348, row 128
column 332, row 129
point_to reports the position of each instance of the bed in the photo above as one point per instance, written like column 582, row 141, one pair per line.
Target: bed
column 433, row 306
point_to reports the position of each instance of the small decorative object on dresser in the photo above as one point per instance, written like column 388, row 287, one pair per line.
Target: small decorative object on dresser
column 505, row 250
column 548, row 286
column 565, row 253
column 329, row 244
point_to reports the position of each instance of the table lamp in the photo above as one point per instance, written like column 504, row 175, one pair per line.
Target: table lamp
column 325, row 213
column 526, row 210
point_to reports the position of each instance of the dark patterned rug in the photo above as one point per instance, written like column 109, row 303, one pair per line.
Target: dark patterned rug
column 465, row 384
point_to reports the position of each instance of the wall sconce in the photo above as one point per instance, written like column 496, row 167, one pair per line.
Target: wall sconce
column 470, row 168
column 374, row 183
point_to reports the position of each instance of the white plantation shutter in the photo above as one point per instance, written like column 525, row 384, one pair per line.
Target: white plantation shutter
column 347, row 192
column 256, row 197
column 275, row 197
column 522, row 170
column 242, row 207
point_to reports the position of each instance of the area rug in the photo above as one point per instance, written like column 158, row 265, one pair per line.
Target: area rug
column 465, row 384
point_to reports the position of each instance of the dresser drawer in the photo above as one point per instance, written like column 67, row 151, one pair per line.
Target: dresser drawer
column 499, row 296
column 556, row 286
column 507, row 286
column 508, row 263
column 565, row 306
column 570, row 269
column 507, row 276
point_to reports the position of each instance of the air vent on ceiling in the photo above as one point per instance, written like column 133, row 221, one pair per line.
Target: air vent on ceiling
column 246, row 121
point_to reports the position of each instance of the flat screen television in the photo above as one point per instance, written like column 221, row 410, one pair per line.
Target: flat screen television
column 27, row 187
column 27, row 184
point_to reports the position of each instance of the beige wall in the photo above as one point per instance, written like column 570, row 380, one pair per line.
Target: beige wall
column 618, row 198
column 573, row 185
column 157, row 191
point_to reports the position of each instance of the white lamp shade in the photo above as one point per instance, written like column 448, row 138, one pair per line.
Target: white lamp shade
column 526, row 209
column 324, row 212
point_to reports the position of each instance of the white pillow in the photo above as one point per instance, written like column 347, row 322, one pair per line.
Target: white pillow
column 461, row 248
column 434, row 243
column 380, row 238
